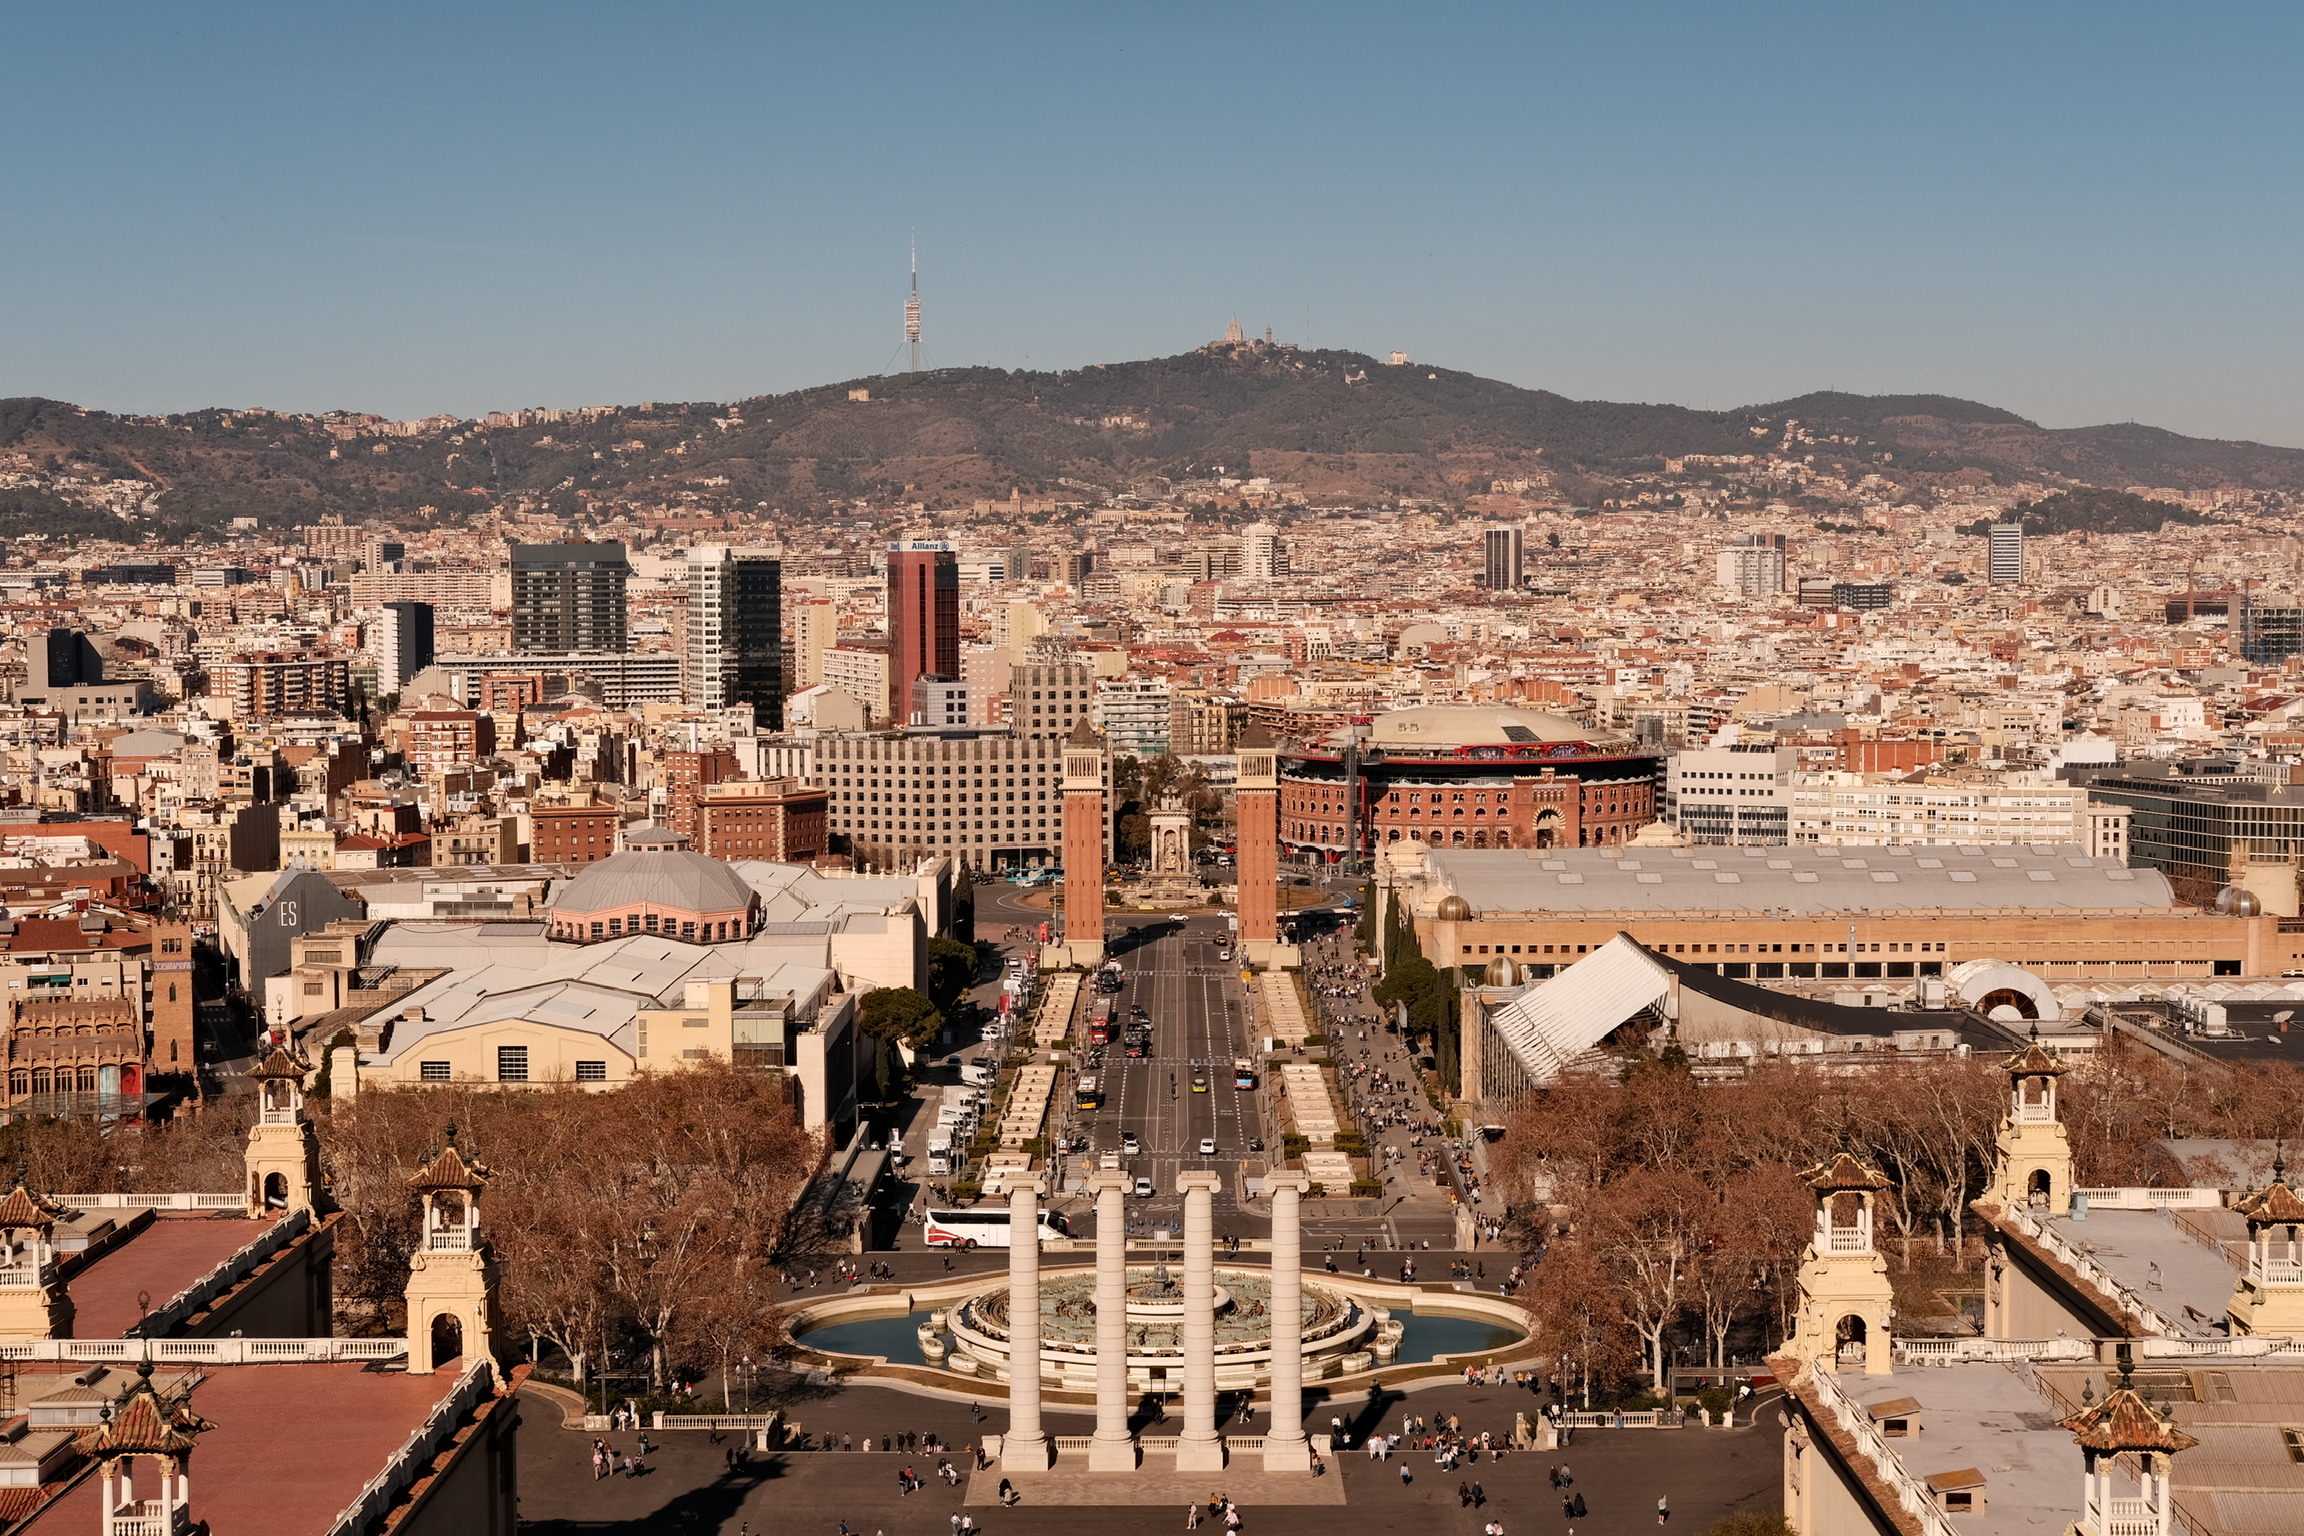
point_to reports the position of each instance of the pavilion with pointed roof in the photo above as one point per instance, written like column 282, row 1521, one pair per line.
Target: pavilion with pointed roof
column 2268, row 1295
column 2032, row 1161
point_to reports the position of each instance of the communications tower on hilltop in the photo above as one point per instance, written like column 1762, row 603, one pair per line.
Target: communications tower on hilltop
column 912, row 308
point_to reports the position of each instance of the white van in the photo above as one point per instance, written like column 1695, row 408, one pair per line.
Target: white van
column 939, row 1158
column 980, row 1073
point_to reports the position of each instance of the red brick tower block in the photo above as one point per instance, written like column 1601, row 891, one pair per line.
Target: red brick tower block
column 172, row 1018
column 1259, row 845
column 1084, row 847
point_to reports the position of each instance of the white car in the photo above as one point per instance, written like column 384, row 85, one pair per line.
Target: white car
column 1207, row 1146
column 1143, row 1188
column 1129, row 1143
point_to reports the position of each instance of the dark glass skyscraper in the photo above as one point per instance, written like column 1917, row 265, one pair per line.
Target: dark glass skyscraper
column 569, row 597
column 736, row 631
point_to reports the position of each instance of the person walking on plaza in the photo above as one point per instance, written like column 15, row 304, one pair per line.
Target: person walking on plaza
column 1192, row 1516
column 1663, row 1510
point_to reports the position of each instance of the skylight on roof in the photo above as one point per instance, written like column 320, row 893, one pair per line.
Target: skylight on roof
column 1520, row 733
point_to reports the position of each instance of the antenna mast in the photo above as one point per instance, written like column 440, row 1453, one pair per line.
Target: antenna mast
column 912, row 308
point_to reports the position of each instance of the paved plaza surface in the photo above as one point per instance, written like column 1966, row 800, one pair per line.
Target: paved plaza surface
column 1202, row 1017
column 1621, row 1473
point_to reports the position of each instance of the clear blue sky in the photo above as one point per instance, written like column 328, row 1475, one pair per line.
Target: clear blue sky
column 2083, row 212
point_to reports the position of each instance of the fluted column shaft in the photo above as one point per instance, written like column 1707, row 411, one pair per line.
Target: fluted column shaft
column 1113, row 1449
column 1285, row 1449
column 1027, row 1443
column 1198, row 1449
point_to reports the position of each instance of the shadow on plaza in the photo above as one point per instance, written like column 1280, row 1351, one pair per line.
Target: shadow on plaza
column 708, row 1508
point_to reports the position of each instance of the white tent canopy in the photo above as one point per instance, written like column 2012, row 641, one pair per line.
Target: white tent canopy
column 1553, row 1022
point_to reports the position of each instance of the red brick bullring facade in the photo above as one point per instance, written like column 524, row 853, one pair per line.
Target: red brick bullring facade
column 1479, row 794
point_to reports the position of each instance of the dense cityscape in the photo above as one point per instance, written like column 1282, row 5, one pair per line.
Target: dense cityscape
column 1498, row 882
column 932, row 772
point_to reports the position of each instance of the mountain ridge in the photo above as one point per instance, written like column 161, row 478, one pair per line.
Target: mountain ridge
column 1341, row 424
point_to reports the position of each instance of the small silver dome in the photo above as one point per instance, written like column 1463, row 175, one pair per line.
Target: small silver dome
column 1454, row 909
column 1502, row 972
column 2232, row 901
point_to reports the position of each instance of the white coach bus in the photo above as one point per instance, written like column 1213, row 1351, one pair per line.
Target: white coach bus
column 984, row 1226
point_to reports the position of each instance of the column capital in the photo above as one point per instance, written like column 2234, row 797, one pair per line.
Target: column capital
column 1109, row 1181
column 1033, row 1182
column 1192, row 1180
column 1287, row 1178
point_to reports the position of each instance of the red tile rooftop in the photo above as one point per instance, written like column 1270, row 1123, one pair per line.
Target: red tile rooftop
column 292, row 1447
column 160, row 1261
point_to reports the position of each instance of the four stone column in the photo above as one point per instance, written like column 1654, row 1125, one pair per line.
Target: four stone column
column 1026, row 1444
column 1113, row 1449
column 1198, row 1449
column 1285, row 1448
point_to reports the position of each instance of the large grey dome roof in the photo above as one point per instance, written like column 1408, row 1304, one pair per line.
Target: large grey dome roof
column 687, row 881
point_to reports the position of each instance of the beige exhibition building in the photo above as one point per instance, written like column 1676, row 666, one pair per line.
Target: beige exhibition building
column 1816, row 914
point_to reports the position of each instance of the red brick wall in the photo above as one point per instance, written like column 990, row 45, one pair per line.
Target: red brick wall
column 1258, row 852
column 1083, row 866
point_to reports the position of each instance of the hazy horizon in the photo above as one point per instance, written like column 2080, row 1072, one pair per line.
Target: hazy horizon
column 2075, row 215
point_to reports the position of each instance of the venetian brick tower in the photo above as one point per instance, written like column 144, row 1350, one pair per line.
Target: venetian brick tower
column 1083, row 847
column 1259, row 846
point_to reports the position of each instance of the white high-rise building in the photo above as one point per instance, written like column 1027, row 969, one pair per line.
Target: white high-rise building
column 736, row 631
column 1134, row 715
column 401, row 641
column 1262, row 556
column 1752, row 566
column 2007, row 556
